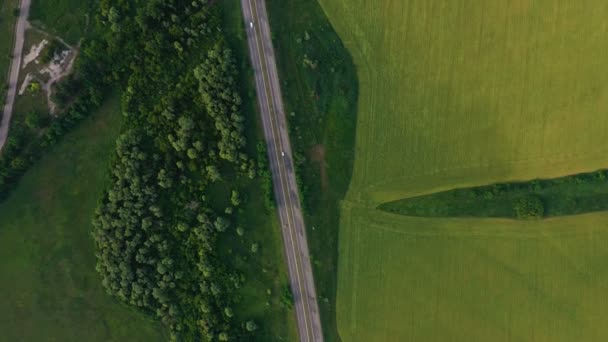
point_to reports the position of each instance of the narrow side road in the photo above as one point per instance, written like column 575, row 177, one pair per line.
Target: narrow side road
column 17, row 53
column 281, row 164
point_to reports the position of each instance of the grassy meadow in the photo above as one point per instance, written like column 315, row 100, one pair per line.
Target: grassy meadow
column 456, row 94
column 68, row 19
column 50, row 288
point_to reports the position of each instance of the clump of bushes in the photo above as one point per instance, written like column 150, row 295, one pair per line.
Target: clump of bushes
column 49, row 52
column 33, row 120
column 530, row 207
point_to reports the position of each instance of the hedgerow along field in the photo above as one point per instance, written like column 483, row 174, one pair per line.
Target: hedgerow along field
column 454, row 94
column 570, row 195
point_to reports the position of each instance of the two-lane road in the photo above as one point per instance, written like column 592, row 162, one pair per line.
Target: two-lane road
column 281, row 164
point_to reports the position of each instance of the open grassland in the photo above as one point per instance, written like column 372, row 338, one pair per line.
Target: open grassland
column 460, row 93
column 463, row 93
column 416, row 279
column 68, row 19
column 50, row 289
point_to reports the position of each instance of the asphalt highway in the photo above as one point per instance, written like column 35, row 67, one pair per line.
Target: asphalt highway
column 282, row 168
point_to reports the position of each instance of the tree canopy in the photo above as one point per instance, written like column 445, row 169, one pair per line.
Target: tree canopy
column 155, row 231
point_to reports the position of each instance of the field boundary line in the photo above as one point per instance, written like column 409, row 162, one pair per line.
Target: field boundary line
column 518, row 233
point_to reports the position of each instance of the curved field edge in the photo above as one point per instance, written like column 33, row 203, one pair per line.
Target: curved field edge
column 438, row 112
column 471, row 279
column 462, row 279
column 47, row 270
column 320, row 89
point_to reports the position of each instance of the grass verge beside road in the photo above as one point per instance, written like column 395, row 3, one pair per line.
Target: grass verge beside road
column 319, row 85
column 7, row 30
column 258, row 252
column 50, row 288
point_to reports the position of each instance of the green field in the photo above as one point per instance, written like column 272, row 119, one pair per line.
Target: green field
column 50, row 289
column 454, row 94
column 68, row 19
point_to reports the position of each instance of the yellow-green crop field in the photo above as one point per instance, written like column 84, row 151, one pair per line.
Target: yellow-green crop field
column 467, row 92
column 457, row 93
column 414, row 279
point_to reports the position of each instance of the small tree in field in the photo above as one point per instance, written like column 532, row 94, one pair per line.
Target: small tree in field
column 33, row 120
column 529, row 208
column 287, row 297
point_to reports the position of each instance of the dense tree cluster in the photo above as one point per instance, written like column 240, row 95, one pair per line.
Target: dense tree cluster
column 217, row 84
column 155, row 229
column 155, row 260
column 529, row 207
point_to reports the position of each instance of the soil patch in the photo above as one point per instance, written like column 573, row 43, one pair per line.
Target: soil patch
column 317, row 155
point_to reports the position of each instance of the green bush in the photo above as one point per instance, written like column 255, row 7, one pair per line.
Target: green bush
column 33, row 120
column 54, row 47
column 529, row 207
column 287, row 297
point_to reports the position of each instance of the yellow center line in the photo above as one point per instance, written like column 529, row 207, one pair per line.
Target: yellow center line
column 285, row 189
